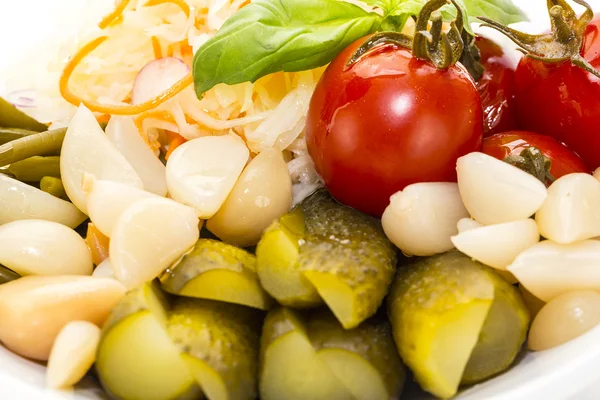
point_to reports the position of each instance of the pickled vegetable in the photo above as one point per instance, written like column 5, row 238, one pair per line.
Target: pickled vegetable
column 53, row 186
column 364, row 359
column 7, row 275
column 33, row 169
column 219, row 344
column 10, row 134
column 534, row 305
column 136, row 360
column 342, row 253
column 12, row 117
column 262, row 194
column 41, row 144
column 564, row 318
column 217, row 271
column 453, row 303
column 290, row 368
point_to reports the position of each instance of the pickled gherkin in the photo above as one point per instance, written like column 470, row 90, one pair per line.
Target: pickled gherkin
column 314, row 357
column 323, row 251
column 455, row 321
column 217, row 271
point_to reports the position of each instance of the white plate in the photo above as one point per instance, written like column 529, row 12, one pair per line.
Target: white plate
column 571, row 371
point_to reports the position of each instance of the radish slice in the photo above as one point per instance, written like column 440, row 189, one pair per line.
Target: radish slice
column 149, row 236
column 202, row 172
column 121, row 131
column 36, row 247
column 156, row 77
column 107, row 200
column 549, row 269
column 19, row 201
column 495, row 192
column 571, row 212
column 86, row 149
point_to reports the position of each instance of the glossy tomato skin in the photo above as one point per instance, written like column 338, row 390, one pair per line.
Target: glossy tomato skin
column 563, row 100
column 564, row 161
column 497, row 88
column 388, row 121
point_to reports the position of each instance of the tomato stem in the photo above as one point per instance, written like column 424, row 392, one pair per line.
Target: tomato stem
column 563, row 43
column 533, row 161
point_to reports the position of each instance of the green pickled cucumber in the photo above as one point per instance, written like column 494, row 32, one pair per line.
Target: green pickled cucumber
column 324, row 251
column 448, row 314
column 217, row 271
column 364, row 359
column 219, row 343
column 136, row 360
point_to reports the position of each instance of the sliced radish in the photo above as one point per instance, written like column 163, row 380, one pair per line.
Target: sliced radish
column 498, row 245
column 107, row 200
column 549, row 269
column 36, row 247
column 572, row 210
column 202, row 172
column 156, row 77
column 149, row 236
column 421, row 219
column 495, row 192
column 86, row 149
column 121, row 131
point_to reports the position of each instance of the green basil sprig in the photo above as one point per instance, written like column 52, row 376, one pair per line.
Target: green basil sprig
column 268, row 36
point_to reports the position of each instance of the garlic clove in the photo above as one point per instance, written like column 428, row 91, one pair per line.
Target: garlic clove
column 122, row 132
column 37, row 247
column 72, row 354
column 467, row 224
column 202, row 172
column 495, row 192
column 498, row 245
column 571, row 212
column 87, row 149
column 104, row 270
column 107, row 200
column 421, row 219
column 149, row 236
column 549, row 269
column 34, row 309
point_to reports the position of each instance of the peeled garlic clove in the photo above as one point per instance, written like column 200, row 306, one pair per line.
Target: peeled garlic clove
column 34, row 309
column 495, row 192
column 549, row 269
column 121, row 131
column 20, row 201
column 87, row 149
column 107, row 200
column 202, row 172
column 104, row 270
column 498, row 245
column 421, row 219
column 148, row 237
column 36, row 247
column 466, row 224
column 564, row 318
column 262, row 194
column 72, row 355
column 571, row 212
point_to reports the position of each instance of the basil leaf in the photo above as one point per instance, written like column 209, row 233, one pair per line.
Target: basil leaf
column 503, row 11
column 268, row 36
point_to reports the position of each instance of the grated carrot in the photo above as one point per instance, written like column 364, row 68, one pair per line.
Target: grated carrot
column 115, row 16
column 161, row 115
column 179, row 3
column 102, row 119
column 176, row 141
column 156, row 47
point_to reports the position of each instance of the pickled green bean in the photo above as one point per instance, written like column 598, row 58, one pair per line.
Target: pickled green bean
column 11, row 117
column 33, row 169
column 53, row 186
column 40, row 144
column 10, row 134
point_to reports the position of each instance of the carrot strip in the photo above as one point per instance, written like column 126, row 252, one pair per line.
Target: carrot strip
column 115, row 16
column 156, row 47
column 179, row 3
column 162, row 115
column 177, row 141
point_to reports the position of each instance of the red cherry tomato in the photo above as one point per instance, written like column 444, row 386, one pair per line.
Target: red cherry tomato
column 497, row 88
column 388, row 121
column 564, row 161
column 563, row 100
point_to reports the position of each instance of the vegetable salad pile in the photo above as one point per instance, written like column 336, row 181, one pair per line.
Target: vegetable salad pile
column 304, row 199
